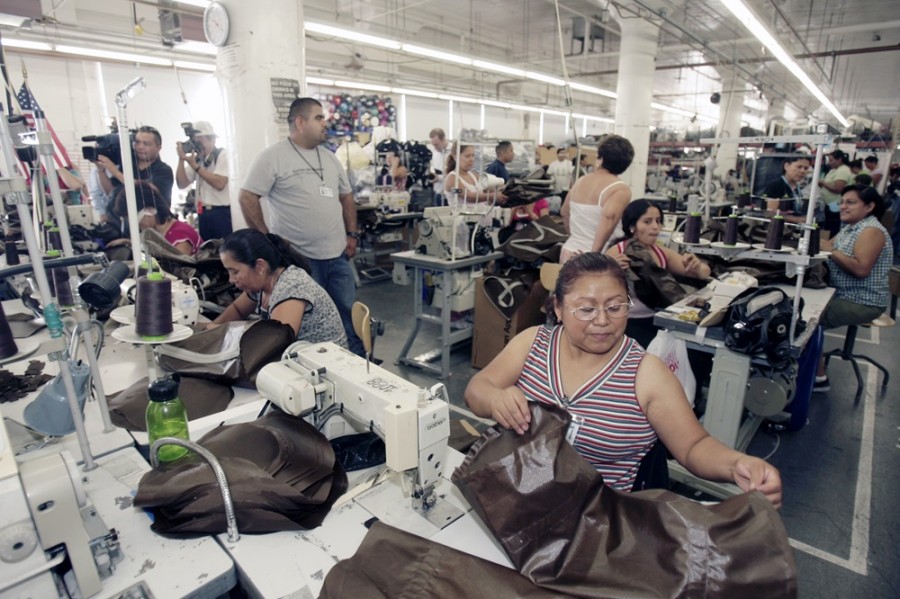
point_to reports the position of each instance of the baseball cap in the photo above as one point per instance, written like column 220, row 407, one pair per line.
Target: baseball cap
column 204, row 128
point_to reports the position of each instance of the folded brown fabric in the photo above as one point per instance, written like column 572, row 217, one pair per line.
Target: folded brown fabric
column 281, row 471
column 566, row 531
column 201, row 397
column 392, row 564
column 655, row 286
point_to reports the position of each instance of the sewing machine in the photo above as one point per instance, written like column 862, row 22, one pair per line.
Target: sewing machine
column 340, row 393
column 448, row 233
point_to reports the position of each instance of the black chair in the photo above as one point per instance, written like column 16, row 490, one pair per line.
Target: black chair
column 846, row 353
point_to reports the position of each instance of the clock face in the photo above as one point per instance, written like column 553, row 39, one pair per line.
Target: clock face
column 216, row 24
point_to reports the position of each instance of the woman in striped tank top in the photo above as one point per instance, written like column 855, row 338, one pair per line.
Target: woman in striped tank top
column 620, row 399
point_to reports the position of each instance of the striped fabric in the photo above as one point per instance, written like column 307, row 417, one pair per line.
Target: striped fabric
column 613, row 433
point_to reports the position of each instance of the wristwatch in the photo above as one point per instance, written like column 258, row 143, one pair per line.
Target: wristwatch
column 353, row 234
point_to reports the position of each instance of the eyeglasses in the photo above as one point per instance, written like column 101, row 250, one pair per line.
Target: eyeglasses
column 589, row 313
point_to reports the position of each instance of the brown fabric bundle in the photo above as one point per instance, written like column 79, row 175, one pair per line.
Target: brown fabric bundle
column 201, row 397
column 249, row 345
column 566, row 531
column 281, row 471
column 538, row 240
column 392, row 564
column 655, row 286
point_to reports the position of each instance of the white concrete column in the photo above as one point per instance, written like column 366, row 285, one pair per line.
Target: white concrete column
column 731, row 107
column 637, row 67
column 260, row 71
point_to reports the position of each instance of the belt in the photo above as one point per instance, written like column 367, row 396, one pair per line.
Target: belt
column 207, row 207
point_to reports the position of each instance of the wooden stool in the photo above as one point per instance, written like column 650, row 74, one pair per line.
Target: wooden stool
column 846, row 353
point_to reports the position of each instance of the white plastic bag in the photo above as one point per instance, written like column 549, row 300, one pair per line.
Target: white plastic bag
column 673, row 352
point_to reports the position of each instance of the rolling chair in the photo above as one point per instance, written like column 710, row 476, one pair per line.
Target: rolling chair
column 366, row 328
column 846, row 353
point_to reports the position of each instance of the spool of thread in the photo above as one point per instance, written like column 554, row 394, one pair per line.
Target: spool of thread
column 54, row 239
column 153, row 307
column 51, row 282
column 8, row 345
column 775, row 235
column 743, row 200
column 692, row 228
column 731, row 229
column 64, row 295
column 11, row 252
column 814, row 241
column 673, row 204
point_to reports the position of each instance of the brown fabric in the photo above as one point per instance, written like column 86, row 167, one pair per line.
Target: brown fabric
column 253, row 345
column 201, row 397
column 281, row 471
column 566, row 531
column 538, row 240
column 655, row 286
column 392, row 564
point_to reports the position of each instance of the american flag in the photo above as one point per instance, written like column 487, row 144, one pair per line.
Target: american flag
column 28, row 105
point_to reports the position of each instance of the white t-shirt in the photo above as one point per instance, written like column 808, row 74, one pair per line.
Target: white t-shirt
column 206, row 193
column 561, row 172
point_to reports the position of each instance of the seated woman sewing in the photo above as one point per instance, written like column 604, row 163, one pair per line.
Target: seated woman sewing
column 276, row 286
column 620, row 399
column 154, row 213
column 859, row 265
column 787, row 187
column 641, row 224
column 464, row 178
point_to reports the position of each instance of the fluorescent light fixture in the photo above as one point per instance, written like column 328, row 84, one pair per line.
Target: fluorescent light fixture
column 461, row 99
column 197, row 48
column 554, row 112
column 600, row 119
column 198, row 3
column 495, row 103
column 438, row 54
column 498, row 68
column 109, row 55
column 363, row 86
column 14, row 21
column 672, row 109
column 414, row 92
column 751, row 22
column 319, row 81
column 195, row 66
column 593, row 90
column 27, row 45
column 353, row 36
column 544, row 78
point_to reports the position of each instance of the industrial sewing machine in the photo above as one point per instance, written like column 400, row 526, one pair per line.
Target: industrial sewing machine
column 47, row 518
column 341, row 393
column 449, row 233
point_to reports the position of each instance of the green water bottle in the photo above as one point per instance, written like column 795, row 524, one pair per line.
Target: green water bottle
column 166, row 417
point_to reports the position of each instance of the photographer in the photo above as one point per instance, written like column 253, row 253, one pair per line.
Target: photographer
column 209, row 168
column 148, row 167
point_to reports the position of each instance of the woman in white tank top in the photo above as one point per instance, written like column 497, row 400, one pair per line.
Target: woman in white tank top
column 593, row 208
column 468, row 181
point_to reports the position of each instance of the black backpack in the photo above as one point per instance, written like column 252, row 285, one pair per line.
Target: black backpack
column 759, row 323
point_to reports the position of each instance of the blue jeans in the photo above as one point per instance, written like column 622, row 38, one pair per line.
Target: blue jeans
column 336, row 277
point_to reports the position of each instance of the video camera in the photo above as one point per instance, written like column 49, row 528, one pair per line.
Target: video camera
column 190, row 146
column 104, row 145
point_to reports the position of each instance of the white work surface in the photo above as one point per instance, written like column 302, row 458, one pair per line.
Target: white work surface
column 294, row 564
column 169, row 567
column 120, row 365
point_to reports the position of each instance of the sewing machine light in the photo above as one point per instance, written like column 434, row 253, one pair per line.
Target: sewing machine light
column 102, row 289
column 128, row 93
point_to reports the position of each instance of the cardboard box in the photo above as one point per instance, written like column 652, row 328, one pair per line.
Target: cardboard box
column 493, row 329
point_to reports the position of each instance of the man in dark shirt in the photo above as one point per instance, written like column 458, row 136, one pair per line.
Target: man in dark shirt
column 147, row 166
column 505, row 155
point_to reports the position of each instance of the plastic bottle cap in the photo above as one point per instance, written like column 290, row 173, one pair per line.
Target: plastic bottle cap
column 163, row 389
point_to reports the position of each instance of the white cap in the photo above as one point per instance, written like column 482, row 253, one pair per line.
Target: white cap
column 204, row 128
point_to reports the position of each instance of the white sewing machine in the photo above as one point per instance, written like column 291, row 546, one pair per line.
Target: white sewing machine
column 340, row 393
column 446, row 232
column 66, row 533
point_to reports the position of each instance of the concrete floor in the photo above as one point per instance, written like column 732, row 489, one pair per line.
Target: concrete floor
column 841, row 486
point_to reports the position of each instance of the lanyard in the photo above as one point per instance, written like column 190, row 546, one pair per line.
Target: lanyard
column 319, row 173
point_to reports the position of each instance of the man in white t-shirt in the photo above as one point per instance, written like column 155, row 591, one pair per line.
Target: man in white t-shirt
column 208, row 167
column 561, row 172
column 440, row 147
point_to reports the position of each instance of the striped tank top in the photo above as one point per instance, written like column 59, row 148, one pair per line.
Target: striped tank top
column 613, row 433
